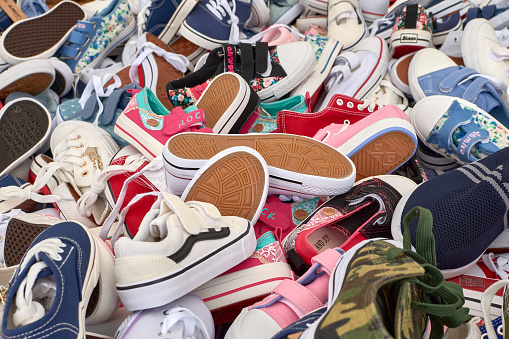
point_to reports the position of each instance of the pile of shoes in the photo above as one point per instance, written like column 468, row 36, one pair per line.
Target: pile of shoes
column 251, row 169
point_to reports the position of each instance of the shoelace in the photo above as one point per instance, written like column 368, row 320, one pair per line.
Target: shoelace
column 344, row 65
column 178, row 61
column 442, row 300
column 380, row 23
column 96, row 87
column 143, row 14
column 498, row 263
column 192, row 327
column 220, row 9
column 381, row 96
column 27, row 309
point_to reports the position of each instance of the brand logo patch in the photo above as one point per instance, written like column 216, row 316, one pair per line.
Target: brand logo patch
column 409, row 38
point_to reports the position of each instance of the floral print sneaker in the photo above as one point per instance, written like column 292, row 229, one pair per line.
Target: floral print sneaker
column 457, row 129
column 92, row 40
column 412, row 31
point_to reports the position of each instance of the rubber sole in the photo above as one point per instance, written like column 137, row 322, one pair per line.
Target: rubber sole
column 236, row 184
column 384, row 154
column 59, row 85
column 24, row 126
column 36, row 36
column 290, row 152
column 176, row 20
column 33, row 84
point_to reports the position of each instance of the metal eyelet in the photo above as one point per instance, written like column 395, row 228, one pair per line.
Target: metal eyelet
column 346, row 122
column 339, row 102
column 500, row 330
column 84, row 173
column 78, row 138
column 85, row 164
column 81, row 145
column 349, row 104
column 455, row 39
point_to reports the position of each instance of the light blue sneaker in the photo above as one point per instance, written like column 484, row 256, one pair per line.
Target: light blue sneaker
column 92, row 40
column 267, row 119
column 284, row 11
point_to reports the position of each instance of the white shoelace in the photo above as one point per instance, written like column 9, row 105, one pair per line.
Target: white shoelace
column 178, row 61
column 498, row 263
column 96, row 85
column 220, row 9
column 382, row 94
column 343, row 67
column 142, row 16
column 27, row 309
column 375, row 26
column 185, row 323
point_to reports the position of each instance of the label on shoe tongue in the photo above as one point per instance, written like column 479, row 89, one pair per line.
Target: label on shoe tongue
column 12, row 10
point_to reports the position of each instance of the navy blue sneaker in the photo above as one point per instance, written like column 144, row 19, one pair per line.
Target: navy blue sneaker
column 216, row 22
column 495, row 15
column 300, row 325
column 163, row 18
column 469, row 206
column 49, row 293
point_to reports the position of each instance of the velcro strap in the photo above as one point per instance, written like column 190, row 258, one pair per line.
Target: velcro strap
column 488, row 12
column 68, row 51
column 179, row 121
column 450, row 81
column 412, row 12
column 230, row 58
column 261, row 52
column 298, row 295
column 247, row 61
column 468, row 141
column 328, row 259
column 187, row 215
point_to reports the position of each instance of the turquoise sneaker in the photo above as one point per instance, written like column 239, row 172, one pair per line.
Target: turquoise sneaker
column 266, row 121
column 91, row 41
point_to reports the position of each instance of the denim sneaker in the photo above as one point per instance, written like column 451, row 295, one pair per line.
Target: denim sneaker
column 469, row 207
column 215, row 22
column 99, row 108
column 497, row 16
column 163, row 18
column 431, row 72
column 92, row 40
column 53, row 286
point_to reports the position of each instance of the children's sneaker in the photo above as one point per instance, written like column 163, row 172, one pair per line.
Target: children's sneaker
column 412, row 31
column 313, row 7
column 377, row 144
column 316, row 169
column 25, row 125
column 228, row 102
column 357, row 73
column 91, row 41
column 458, row 129
column 212, row 23
column 346, row 22
column 163, row 18
column 288, row 302
column 186, row 317
column 235, row 180
column 32, row 77
column 284, row 11
column 442, row 27
column 449, row 197
column 259, row 17
column 372, row 10
column 146, row 124
column 191, row 243
column 399, row 73
column 431, row 72
column 364, row 212
column 67, row 259
column 497, row 15
column 271, row 72
column 30, row 39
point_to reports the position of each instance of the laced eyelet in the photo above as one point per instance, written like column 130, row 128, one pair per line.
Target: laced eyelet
column 84, row 173
column 359, row 107
column 85, row 164
column 371, row 110
column 78, row 138
column 349, row 104
column 81, row 145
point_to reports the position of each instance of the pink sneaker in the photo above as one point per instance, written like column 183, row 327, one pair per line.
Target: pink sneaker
column 289, row 301
column 146, row 124
column 248, row 282
column 377, row 144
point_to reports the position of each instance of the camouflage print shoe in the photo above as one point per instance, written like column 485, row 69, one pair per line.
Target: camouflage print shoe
column 380, row 290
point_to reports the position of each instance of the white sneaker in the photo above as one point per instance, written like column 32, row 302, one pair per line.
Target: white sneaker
column 398, row 71
column 259, row 16
column 482, row 51
column 356, row 73
column 372, row 10
column 346, row 23
column 186, row 317
column 388, row 94
column 179, row 246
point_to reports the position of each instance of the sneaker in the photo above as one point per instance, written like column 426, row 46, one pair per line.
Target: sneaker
column 383, row 281
column 25, row 126
column 486, row 302
column 288, row 302
column 497, row 16
column 482, row 52
column 163, row 18
column 373, row 10
column 284, row 11
column 300, row 325
column 270, row 78
column 91, row 41
column 412, row 31
column 362, row 213
column 235, row 180
column 9, row 203
column 468, row 330
column 146, row 124
column 488, row 176
column 376, row 144
column 73, row 280
column 432, row 159
column 29, row 39
column 452, row 47
column 399, row 73
column 193, row 238
column 185, row 317
column 64, row 79
column 314, row 7
column 228, row 102
column 259, row 16
column 32, row 77
column 213, row 23
column 444, row 77
column 316, row 170
column 442, row 27
column 357, row 72
column 457, row 129
column 248, row 282
column 346, row 22
column 388, row 94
